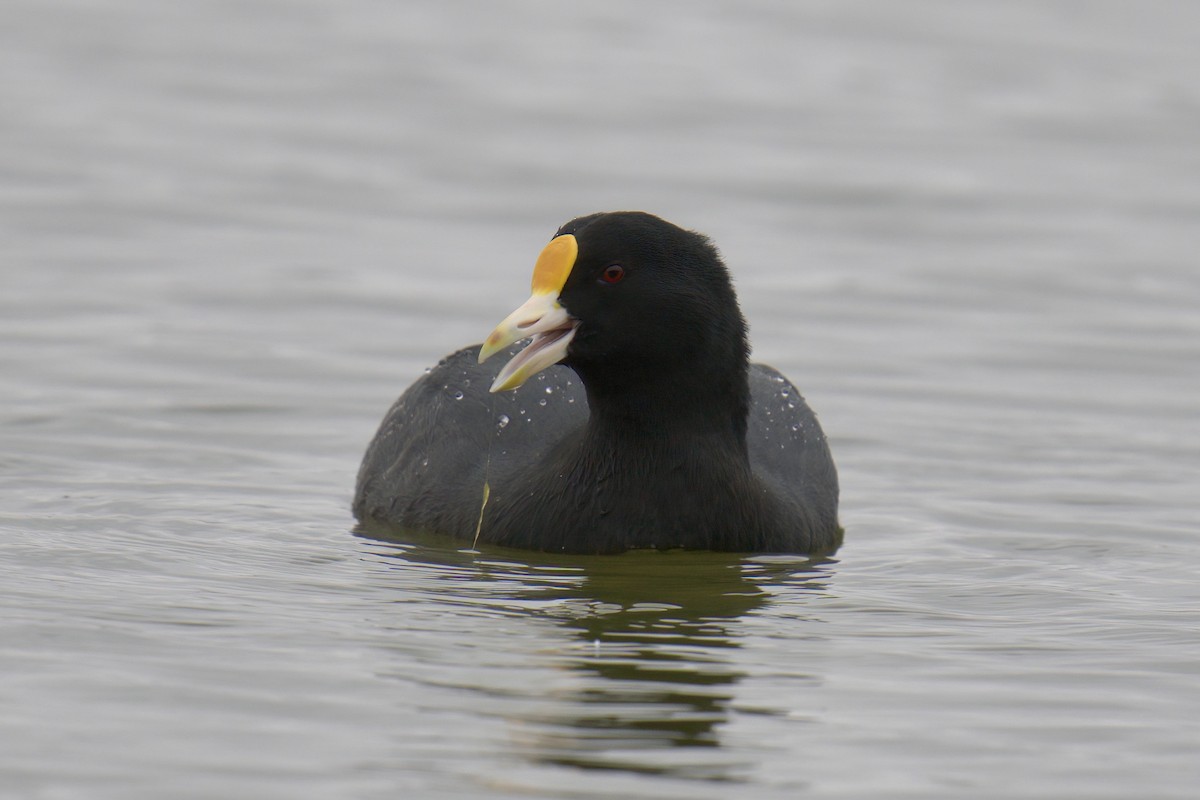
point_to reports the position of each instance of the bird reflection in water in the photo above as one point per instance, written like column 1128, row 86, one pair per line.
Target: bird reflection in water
column 652, row 647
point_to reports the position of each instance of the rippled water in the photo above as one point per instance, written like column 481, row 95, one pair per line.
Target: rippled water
column 230, row 234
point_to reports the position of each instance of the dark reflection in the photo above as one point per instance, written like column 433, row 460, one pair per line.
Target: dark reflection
column 653, row 635
column 656, row 630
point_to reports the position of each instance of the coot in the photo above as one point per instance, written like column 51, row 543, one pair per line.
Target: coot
column 632, row 418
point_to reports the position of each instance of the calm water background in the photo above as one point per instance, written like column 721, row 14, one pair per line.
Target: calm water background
column 231, row 233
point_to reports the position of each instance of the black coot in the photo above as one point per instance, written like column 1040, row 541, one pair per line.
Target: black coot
column 633, row 419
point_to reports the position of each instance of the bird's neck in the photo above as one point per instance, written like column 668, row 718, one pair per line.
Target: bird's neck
column 672, row 408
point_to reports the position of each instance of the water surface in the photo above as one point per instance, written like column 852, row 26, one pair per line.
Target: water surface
column 230, row 234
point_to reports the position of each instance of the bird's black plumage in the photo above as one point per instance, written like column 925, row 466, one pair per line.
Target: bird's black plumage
column 654, row 432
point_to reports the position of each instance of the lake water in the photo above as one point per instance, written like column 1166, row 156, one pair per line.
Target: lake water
column 232, row 233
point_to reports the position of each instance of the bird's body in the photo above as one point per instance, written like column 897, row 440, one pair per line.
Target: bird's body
column 657, row 433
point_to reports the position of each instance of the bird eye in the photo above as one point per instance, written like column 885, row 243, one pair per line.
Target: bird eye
column 613, row 273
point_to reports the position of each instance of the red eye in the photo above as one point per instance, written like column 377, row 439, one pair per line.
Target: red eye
column 613, row 273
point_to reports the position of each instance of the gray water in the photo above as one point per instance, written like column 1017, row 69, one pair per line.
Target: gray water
column 232, row 233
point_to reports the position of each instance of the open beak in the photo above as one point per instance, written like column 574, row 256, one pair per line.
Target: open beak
column 540, row 317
